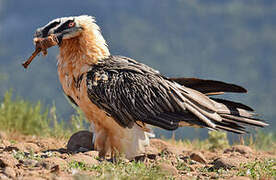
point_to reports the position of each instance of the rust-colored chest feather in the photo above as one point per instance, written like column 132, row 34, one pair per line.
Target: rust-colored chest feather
column 76, row 57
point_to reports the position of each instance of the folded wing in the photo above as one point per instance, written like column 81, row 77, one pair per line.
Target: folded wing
column 132, row 92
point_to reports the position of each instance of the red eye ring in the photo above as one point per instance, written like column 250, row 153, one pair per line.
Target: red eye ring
column 71, row 24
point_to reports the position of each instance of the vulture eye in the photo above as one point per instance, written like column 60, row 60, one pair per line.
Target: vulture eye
column 71, row 24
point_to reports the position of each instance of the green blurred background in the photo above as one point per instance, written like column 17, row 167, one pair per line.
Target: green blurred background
column 232, row 41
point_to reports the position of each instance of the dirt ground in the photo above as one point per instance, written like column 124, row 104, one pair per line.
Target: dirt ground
column 29, row 157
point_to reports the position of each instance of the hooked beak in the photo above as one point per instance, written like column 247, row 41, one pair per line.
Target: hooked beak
column 41, row 33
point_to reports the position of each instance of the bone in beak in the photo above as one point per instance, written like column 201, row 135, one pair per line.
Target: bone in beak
column 41, row 44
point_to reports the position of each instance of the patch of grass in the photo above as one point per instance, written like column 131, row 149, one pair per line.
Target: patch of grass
column 216, row 173
column 217, row 140
column 18, row 115
column 13, row 141
column 131, row 170
column 264, row 140
column 259, row 169
column 182, row 166
column 196, row 144
column 79, row 166
column 19, row 155
column 260, row 140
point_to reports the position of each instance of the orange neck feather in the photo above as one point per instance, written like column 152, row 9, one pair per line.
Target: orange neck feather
column 87, row 48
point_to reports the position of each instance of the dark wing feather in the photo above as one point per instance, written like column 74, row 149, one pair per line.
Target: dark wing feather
column 130, row 91
column 233, row 105
column 209, row 86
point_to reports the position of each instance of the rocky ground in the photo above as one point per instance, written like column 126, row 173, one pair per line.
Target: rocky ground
column 29, row 157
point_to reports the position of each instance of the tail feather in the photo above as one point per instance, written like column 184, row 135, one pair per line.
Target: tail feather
column 213, row 113
column 226, row 128
column 237, row 112
column 219, row 114
column 232, row 104
column 245, row 120
column 235, row 116
column 233, row 108
column 210, row 87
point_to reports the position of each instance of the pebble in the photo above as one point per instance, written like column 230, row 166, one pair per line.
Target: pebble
column 81, row 141
column 159, row 144
column 171, row 151
column 55, row 161
column 43, row 164
column 80, row 157
column 7, row 160
column 198, row 157
column 227, row 163
column 240, row 149
column 30, row 162
column 240, row 178
column 168, row 168
column 10, row 172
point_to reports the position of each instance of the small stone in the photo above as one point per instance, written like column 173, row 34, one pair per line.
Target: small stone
column 27, row 147
column 198, row 157
column 55, row 161
column 81, row 141
column 42, row 164
column 55, row 169
column 227, row 163
column 151, row 150
column 2, row 164
column 159, row 144
column 239, row 178
column 240, row 148
column 29, row 162
column 140, row 158
column 168, row 168
column 94, row 154
column 80, row 157
column 171, row 151
column 10, row 172
column 7, row 160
